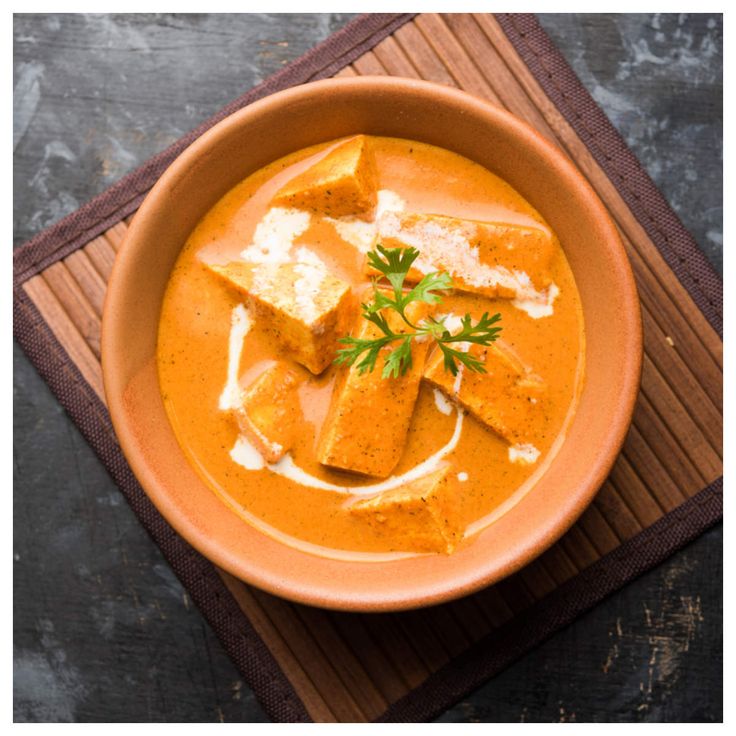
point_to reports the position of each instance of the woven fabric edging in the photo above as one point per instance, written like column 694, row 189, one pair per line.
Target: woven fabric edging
column 207, row 590
column 664, row 227
column 499, row 649
column 255, row 662
column 198, row 576
column 124, row 197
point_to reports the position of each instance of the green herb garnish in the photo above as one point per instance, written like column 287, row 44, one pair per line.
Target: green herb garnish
column 394, row 264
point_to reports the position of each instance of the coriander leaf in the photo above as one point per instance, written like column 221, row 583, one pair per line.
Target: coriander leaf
column 380, row 321
column 482, row 333
column 450, row 355
column 356, row 347
column 398, row 361
column 369, row 362
column 396, row 265
column 424, row 290
column 380, row 301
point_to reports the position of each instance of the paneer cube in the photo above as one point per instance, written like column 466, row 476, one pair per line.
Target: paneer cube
column 368, row 419
column 270, row 412
column 344, row 182
column 508, row 399
column 421, row 513
column 490, row 258
column 302, row 305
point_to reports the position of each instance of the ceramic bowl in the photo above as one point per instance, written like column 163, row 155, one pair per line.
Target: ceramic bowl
column 300, row 117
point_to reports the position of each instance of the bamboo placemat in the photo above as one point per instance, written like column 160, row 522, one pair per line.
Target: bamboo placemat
column 665, row 489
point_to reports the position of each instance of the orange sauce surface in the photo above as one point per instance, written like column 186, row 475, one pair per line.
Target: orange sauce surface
column 193, row 357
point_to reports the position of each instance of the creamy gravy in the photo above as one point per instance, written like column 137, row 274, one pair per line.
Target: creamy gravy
column 210, row 347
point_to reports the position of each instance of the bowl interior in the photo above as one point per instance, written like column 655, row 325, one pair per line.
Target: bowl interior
column 298, row 118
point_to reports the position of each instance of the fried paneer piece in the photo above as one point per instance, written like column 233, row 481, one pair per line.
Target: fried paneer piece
column 270, row 413
column 303, row 306
column 344, row 182
column 508, row 399
column 490, row 258
column 420, row 513
column 368, row 419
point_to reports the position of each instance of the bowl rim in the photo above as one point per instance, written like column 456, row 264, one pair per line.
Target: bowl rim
column 538, row 539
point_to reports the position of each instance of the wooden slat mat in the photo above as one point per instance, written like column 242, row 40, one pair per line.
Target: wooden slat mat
column 665, row 489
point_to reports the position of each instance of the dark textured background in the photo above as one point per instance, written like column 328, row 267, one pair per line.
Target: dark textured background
column 102, row 628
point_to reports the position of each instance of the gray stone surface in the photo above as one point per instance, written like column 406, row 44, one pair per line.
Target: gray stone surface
column 102, row 629
column 659, row 78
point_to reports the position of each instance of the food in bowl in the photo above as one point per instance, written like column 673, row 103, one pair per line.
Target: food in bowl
column 371, row 348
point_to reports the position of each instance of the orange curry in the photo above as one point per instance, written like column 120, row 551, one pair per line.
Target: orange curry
column 350, row 464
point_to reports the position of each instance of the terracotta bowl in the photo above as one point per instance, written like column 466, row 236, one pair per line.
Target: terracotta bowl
column 300, row 117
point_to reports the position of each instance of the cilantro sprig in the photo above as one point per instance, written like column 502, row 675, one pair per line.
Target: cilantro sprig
column 394, row 264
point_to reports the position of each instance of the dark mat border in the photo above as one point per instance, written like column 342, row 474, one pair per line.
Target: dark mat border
column 505, row 645
column 198, row 575
column 651, row 209
column 124, row 197
column 247, row 650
